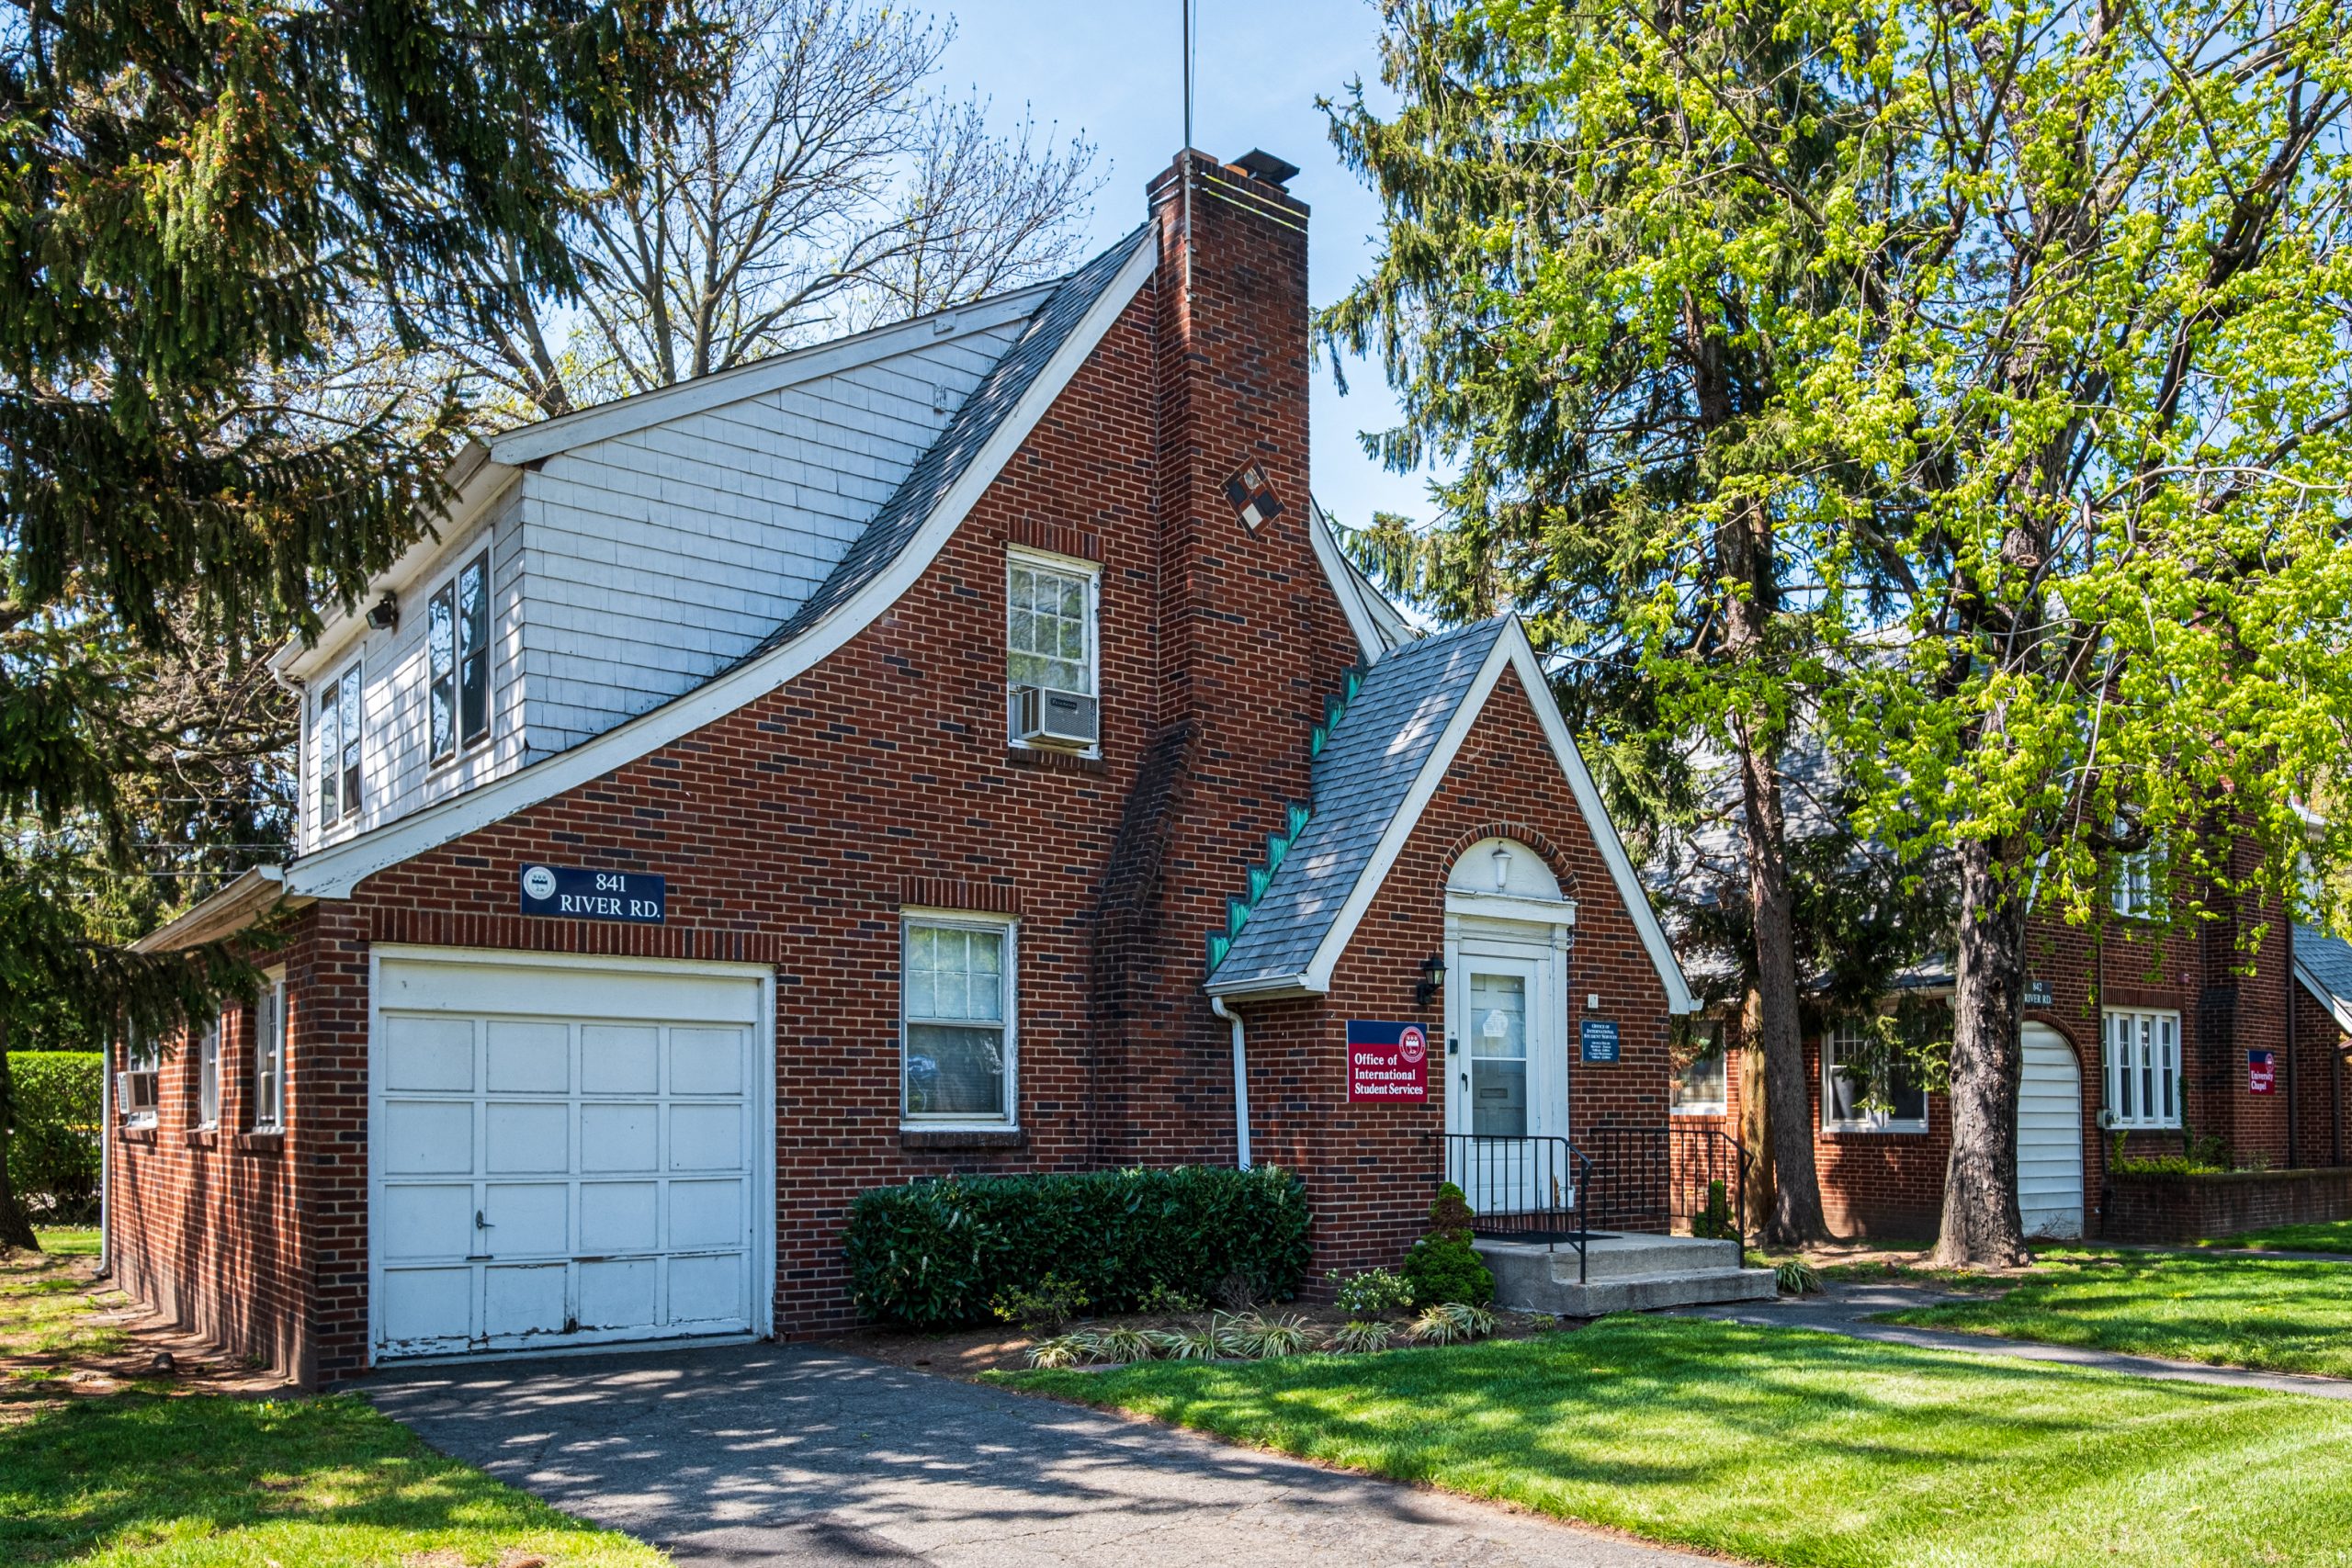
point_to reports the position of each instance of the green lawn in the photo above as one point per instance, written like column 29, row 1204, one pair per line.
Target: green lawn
column 151, row 1479
column 2335, row 1236
column 1787, row 1446
column 2281, row 1314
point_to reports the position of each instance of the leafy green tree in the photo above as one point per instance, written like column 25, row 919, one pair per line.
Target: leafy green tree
column 200, row 207
column 1591, row 303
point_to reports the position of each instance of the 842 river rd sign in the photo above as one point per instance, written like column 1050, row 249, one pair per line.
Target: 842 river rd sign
column 578, row 893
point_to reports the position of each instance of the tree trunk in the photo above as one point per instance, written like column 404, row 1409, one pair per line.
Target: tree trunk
column 15, row 1230
column 1795, row 1216
column 1755, row 1122
column 1982, row 1227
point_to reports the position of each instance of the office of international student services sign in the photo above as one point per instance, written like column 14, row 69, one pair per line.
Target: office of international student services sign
column 1387, row 1062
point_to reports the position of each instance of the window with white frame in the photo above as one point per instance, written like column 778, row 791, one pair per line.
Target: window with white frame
column 335, row 735
column 2142, row 1069
column 956, row 1009
column 2132, row 894
column 1855, row 1098
column 1050, row 613
column 1702, row 1086
column 208, row 1077
column 457, row 657
column 269, row 1057
column 138, row 1087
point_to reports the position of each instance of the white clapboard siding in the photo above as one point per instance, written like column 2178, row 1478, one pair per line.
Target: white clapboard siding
column 657, row 558
column 395, row 767
column 2049, row 1136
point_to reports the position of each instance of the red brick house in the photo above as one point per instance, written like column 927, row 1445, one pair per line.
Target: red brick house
column 2156, row 1039
column 960, row 747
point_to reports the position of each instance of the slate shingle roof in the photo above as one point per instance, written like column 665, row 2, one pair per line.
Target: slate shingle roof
column 936, row 471
column 1360, row 782
column 2327, row 963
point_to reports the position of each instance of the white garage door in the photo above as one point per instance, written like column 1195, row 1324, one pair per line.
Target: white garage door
column 562, row 1154
column 2049, row 1136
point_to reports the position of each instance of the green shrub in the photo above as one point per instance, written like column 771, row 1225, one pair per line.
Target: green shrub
column 1443, row 1266
column 1715, row 1220
column 936, row 1253
column 53, row 1137
column 1375, row 1292
column 1053, row 1302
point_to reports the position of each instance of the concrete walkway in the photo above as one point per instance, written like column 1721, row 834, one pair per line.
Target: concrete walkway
column 1846, row 1309
column 766, row 1454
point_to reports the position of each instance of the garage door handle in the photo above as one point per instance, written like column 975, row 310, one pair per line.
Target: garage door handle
column 480, row 1224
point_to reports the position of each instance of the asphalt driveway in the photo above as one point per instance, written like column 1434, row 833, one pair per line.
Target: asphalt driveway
column 760, row 1454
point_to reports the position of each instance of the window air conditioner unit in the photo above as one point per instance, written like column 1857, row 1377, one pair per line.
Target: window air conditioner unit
column 137, row 1091
column 1063, row 720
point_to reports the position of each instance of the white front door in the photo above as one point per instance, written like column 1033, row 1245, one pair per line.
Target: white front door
column 1505, row 1083
column 2049, row 1136
column 564, row 1155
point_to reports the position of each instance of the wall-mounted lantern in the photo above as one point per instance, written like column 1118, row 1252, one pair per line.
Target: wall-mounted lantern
column 1433, row 978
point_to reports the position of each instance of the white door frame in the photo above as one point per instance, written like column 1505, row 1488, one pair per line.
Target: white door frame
column 1538, row 950
column 761, row 1098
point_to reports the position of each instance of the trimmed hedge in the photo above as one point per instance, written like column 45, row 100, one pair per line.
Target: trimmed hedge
column 53, row 1136
column 934, row 1254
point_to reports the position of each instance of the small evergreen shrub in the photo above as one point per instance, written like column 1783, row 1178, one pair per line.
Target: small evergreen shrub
column 934, row 1254
column 1443, row 1266
column 1715, row 1220
column 1054, row 1301
column 53, row 1136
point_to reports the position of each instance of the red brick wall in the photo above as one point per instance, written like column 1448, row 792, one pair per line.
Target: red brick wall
column 1372, row 1169
column 2190, row 1208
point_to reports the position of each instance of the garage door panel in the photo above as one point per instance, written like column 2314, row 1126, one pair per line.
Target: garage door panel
column 619, row 1136
column 420, row 1221
column 708, row 1289
column 620, row 1294
column 2050, row 1143
column 527, row 1298
column 526, row 1137
column 429, row 1053
column 620, row 1058
column 426, row 1304
column 705, row 1214
column 619, row 1216
column 706, row 1137
column 598, row 1122
column 527, row 1058
column 429, row 1137
column 528, row 1219
column 706, row 1061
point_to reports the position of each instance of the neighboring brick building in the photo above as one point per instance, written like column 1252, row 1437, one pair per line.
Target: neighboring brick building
column 2206, row 1023
column 857, row 767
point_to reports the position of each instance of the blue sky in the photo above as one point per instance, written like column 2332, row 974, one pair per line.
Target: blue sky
column 1111, row 68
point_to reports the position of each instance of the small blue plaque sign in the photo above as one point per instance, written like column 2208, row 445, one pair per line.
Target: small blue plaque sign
column 1600, row 1037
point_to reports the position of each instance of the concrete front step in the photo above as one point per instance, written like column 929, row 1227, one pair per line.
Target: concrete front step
column 1622, row 1273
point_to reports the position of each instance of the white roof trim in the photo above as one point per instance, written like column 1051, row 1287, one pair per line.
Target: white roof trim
column 1512, row 651
column 2339, row 1008
column 624, row 416
column 245, row 899
column 335, row 871
column 1375, row 622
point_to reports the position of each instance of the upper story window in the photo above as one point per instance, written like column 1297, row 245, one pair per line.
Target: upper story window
column 457, row 650
column 2142, row 1069
column 269, row 1056
column 1051, row 649
column 336, row 735
column 1702, row 1086
column 1859, row 1098
column 957, row 1039
column 2133, row 892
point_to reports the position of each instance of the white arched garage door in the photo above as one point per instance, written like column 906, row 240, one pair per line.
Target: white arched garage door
column 565, row 1152
column 2049, row 1136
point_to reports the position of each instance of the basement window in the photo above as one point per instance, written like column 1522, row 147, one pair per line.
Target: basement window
column 2143, row 1070
column 956, row 1034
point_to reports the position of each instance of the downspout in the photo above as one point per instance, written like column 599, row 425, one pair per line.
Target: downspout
column 2294, row 1049
column 106, row 1163
column 1240, row 1082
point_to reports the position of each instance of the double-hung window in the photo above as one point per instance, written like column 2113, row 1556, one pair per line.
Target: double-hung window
column 457, row 650
column 2142, row 1069
column 2132, row 890
column 336, row 734
column 1702, row 1086
column 208, row 1077
column 956, row 1009
column 269, row 1057
column 1052, row 650
column 137, row 1089
column 1857, row 1098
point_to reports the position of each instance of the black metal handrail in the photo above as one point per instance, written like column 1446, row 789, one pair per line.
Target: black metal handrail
column 1659, row 1180
column 1531, row 1188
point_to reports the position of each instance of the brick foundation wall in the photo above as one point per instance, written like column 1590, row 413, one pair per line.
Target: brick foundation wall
column 2194, row 1208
